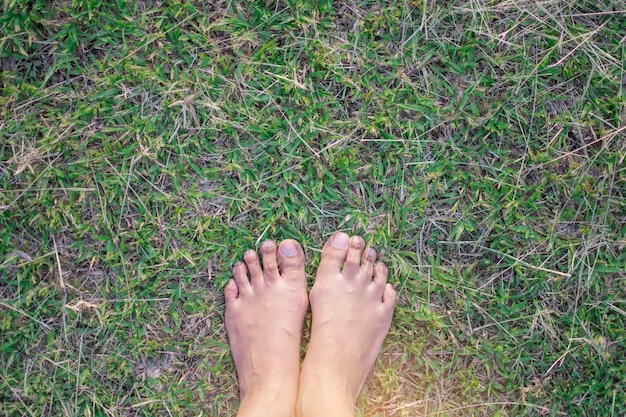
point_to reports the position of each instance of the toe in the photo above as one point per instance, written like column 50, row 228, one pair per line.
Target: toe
column 231, row 292
column 270, row 264
column 334, row 254
column 389, row 295
column 380, row 274
column 254, row 267
column 290, row 258
column 353, row 258
column 240, row 274
column 367, row 264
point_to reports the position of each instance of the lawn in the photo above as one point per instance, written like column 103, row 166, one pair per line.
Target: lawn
column 480, row 146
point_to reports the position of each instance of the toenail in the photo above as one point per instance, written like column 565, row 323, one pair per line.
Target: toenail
column 268, row 245
column 288, row 248
column 340, row 240
column 371, row 254
column 357, row 242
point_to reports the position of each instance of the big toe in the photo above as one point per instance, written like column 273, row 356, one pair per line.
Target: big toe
column 290, row 258
column 334, row 253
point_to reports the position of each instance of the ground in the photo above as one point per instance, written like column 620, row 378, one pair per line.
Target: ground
column 478, row 145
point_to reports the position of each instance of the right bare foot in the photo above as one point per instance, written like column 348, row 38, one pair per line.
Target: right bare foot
column 352, row 309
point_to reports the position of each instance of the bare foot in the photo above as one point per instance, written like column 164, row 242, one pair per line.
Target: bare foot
column 352, row 309
column 265, row 309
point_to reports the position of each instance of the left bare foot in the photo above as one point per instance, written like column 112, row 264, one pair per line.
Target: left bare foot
column 265, row 309
column 352, row 306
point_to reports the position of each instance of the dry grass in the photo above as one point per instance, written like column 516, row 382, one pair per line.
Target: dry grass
column 479, row 145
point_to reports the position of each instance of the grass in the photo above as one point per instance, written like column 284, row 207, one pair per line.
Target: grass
column 479, row 145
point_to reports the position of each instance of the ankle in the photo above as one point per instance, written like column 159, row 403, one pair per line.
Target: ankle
column 323, row 403
column 275, row 405
column 321, row 393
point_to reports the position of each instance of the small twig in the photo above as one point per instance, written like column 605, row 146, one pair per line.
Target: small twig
column 62, row 285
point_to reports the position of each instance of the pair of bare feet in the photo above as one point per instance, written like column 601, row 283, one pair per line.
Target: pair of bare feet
column 351, row 305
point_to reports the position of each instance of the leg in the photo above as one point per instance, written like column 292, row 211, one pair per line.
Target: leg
column 352, row 309
column 265, row 309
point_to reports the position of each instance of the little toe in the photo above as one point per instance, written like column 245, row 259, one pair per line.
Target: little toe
column 333, row 254
column 270, row 264
column 231, row 292
column 240, row 274
column 290, row 258
column 353, row 258
column 389, row 295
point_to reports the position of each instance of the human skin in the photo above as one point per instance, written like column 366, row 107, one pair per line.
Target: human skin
column 351, row 305
column 265, row 309
column 352, row 309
